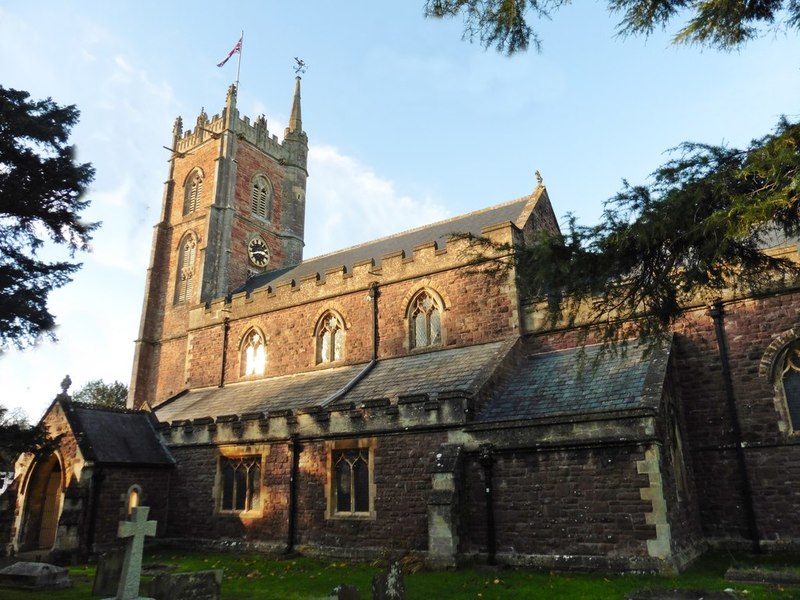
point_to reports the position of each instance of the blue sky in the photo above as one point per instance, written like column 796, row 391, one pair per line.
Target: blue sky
column 407, row 124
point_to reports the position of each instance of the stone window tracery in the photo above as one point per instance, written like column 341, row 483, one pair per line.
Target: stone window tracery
column 790, row 383
column 254, row 354
column 330, row 338
column 240, row 483
column 425, row 321
column 261, row 197
column 185, row 278
column 192, row 191
column 350, row 488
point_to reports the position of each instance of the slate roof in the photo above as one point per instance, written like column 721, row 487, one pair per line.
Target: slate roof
column 568, row 382
column 463, row 369
column 116, row 437
column 406, row 241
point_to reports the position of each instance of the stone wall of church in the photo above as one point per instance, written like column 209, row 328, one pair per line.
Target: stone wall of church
column 771, row 450
column 288, row 326
column 567, row 508
column 111, row 508
column 402, row 483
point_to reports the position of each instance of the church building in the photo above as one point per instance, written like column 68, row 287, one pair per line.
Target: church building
column 405, row 396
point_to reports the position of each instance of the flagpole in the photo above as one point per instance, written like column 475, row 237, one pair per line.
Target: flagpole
column 239, row 60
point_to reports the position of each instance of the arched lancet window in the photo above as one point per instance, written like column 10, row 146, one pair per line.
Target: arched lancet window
column 186, row 259
column 254, row 354
column 192, row 190
column 789, row 375
column 133, row 499
column 425, row 321
column 330, row 338
column 261, row 197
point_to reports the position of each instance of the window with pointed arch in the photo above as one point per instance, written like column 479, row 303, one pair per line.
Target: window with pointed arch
column 240, row 485
column 254, row 354
column 789, row 382
column 192, row 190
column 187, row 254
column 350, row 488
column 425, row 320
column 261, row 197
column 330, row 338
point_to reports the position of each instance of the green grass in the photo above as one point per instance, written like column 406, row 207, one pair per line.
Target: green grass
column 249, row 576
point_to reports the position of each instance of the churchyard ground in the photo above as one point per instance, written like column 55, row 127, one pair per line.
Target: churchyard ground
column 250, row 576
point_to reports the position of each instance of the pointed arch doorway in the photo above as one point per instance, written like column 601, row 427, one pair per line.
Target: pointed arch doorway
column 42, row 505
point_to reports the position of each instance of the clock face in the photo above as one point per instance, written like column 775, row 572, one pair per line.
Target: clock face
column 258, row 252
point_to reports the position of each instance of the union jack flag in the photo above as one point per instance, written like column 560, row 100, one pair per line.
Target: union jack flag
column 236, row 48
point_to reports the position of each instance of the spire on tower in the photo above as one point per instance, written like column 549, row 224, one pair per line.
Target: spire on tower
column 295, row 120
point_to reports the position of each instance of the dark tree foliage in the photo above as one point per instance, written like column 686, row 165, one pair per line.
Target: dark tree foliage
column 100, row 393
column 16, row 437
column 700, row 226
column 724, row 24
column 41, row 199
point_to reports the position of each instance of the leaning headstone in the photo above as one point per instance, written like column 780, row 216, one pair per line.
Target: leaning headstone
column 199, row 585
column 389, row 585
column 34, row 576
column 109, row 571
column 133, row 532
column 344, row 592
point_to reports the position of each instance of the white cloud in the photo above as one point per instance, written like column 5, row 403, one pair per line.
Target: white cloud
column 348, row 203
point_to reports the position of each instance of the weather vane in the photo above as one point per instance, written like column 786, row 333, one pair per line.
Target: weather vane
column 300, row 66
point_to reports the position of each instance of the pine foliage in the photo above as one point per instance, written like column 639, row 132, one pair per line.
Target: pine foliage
column 41, row 200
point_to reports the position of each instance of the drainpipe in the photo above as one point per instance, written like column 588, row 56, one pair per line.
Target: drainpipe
column 486, row 461
column 373, row 295
column 294, row 450
column 226, row 326
column 716, row 311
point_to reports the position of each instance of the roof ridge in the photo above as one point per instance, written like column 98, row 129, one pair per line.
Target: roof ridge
column 420, row 228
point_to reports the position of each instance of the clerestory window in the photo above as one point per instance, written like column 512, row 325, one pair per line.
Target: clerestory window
column 330, row 338
column 261, row 197
column 254, row 354
column 425, row 321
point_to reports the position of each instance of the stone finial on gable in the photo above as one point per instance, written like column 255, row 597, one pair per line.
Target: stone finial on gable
column 202, row 118
column 539, row 180
column 65, row 383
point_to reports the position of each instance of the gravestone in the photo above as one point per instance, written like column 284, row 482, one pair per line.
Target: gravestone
column 133, row 532
column 199, row 585
column 390, row 584
column 109, row 571
column 34, row 576
column 344, row 592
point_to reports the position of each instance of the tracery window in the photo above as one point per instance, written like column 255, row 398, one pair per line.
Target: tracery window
column 425, row 321
column 351, row 480
column 261, row 197
column 254, row 354
column 192, row 190
column 330, row 338
column 185, row 278
column 240, row 479
column 790, row 380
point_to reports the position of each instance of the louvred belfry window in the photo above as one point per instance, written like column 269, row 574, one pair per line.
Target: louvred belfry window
column 261, row 198
column 186, row 259
column 192, row 192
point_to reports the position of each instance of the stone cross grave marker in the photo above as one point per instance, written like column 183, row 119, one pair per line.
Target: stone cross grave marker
column 134, row 532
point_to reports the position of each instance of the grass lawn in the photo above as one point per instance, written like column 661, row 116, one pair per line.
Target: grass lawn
column 249, row 576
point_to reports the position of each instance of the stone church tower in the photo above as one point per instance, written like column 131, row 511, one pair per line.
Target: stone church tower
column 233, row 207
